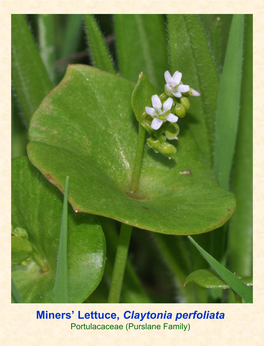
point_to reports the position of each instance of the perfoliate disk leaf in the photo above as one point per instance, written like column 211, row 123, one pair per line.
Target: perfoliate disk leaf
column 86, row 129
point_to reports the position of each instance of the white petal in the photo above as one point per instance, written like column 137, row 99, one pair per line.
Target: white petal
column 172, row 118
column 167, row 104
column 167, row 76
column 156, row 103
column 177, row 77
column 183, row 88
column 151, row 111
column 156, row 123
column 194, row 93
column 177, row 94
column 168, row 87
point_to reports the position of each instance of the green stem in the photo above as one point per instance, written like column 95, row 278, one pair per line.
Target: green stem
column 138, row 160
column 39, row 260
column 133, row 291
column 237, row 298
column 120, row 263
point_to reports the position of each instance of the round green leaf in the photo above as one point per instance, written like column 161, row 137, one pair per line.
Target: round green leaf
column 208, row 278
column 37, row 207
column 85, row 128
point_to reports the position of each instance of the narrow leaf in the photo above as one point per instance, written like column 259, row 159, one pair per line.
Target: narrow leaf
column 228, row 103
column 190, row 54
column 141, row 47
column 29, row 77
column 240, row 228
column 19, row 137
column 217, row 27
column 46, row 34
column 61, row 281
column 72, row 34
column 244, row 291
column 98, row 50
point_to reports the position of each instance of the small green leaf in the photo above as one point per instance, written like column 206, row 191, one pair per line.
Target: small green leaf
column 98, row 50
column 94, row 142
column 36, row 207
column 208, row 278
column 61, row 280
column 228, row 103
column 140, row 96
column 29, row 77
column 244, row 291
column 142, row 47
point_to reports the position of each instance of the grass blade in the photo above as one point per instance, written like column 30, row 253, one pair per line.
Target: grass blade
column 141, row 46
column 244, row 291
column 240, row 228
column 61, row 280
column 29, row 76
column 15, row 294
column 190, row 54
column 228, row 103
column 46, row 34
column 98, row 50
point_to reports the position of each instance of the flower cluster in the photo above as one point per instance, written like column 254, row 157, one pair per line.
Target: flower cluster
column 161, row 112
column 165, row 111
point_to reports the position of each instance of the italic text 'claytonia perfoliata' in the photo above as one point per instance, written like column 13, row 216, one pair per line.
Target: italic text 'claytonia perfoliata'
column 161, row 112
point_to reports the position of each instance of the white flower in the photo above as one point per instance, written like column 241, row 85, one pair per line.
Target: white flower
column 160, row 112
column 173, row 86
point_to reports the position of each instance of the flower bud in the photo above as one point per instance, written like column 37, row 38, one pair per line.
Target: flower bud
column 172, row 130
column 167, row 150
column 163, row 97
column 180, row 110
column 19, row 232
column 147, row 126
column 185, row 102
column 193, row 92
column 155, row 143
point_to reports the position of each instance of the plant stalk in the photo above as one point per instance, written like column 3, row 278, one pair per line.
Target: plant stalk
column 120, row 263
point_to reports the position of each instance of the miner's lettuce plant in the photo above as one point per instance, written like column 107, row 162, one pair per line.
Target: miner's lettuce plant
column 157, row 146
